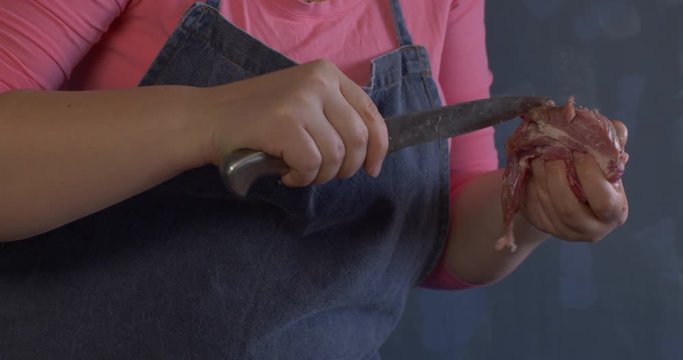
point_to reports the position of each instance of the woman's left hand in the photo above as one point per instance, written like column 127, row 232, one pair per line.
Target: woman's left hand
column 551, row 206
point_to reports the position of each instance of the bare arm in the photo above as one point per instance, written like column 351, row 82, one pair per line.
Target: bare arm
column 476, row 225
column 476, row 216
column 549, row 207
column 64, row 155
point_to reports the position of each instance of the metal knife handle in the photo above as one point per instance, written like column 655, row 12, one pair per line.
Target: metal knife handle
column 242, row 168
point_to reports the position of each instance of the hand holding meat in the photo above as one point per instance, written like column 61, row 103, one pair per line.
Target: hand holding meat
column 563, row 174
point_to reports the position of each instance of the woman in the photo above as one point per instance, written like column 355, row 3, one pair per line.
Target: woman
column 121, row 240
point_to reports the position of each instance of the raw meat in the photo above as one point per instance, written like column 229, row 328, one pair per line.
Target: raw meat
column 552, row 132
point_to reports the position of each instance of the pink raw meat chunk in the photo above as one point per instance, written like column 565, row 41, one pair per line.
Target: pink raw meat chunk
column 552, row 132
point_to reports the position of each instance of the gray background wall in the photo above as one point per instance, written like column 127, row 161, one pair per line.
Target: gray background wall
column 623, row 297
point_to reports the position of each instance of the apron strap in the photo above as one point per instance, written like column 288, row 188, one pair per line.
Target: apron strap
column 400, row 24
column 213, row 3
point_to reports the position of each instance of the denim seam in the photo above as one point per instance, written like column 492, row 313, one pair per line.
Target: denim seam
column 187, row 31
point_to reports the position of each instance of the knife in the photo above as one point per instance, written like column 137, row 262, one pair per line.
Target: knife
column 241, row 168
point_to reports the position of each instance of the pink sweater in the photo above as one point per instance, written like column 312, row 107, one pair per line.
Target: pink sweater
column 103, row 44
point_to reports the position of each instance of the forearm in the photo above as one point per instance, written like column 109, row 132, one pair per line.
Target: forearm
column 64, row 155
column 476, row 224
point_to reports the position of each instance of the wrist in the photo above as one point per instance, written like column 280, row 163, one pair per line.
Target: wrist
column 193, row 129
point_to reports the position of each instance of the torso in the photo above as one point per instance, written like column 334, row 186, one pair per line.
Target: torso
column 288, row 26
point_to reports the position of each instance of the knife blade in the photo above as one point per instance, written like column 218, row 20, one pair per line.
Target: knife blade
column 240, row 169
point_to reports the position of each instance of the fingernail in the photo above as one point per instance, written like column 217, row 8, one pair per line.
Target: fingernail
column 376, row 171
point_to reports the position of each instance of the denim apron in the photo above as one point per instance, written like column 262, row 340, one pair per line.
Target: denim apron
column 185, row 271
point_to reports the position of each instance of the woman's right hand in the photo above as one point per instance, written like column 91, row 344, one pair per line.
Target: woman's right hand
column 320, row 123
column 101, row 147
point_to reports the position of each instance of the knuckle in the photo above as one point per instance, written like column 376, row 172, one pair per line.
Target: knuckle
column 607, row 209
column 368, row 109
column 315, row 81
column 359, row 137
column 337, row 153
column 310, row 164
column 383, row 142
column 320, row 75
column 567, row 214
column 286, row 114
column 323, row 66
column 622, row 218
column 313, row 86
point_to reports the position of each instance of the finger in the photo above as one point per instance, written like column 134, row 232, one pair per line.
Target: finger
column 622, row 131
column 575, row 215
column 624, row 216
column 607, row 200
column 302, row 157
column 378, row 138
column 330, row 145
column 533, row 207
column 539, row 178
column 351, row 130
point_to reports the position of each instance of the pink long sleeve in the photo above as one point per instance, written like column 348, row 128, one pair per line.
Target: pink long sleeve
column 465, row 76
column 41, row 41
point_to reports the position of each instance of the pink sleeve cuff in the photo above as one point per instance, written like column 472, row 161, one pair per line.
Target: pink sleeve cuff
column 441, row 278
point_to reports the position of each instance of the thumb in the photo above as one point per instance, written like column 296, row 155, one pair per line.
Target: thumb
column 622, row 131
